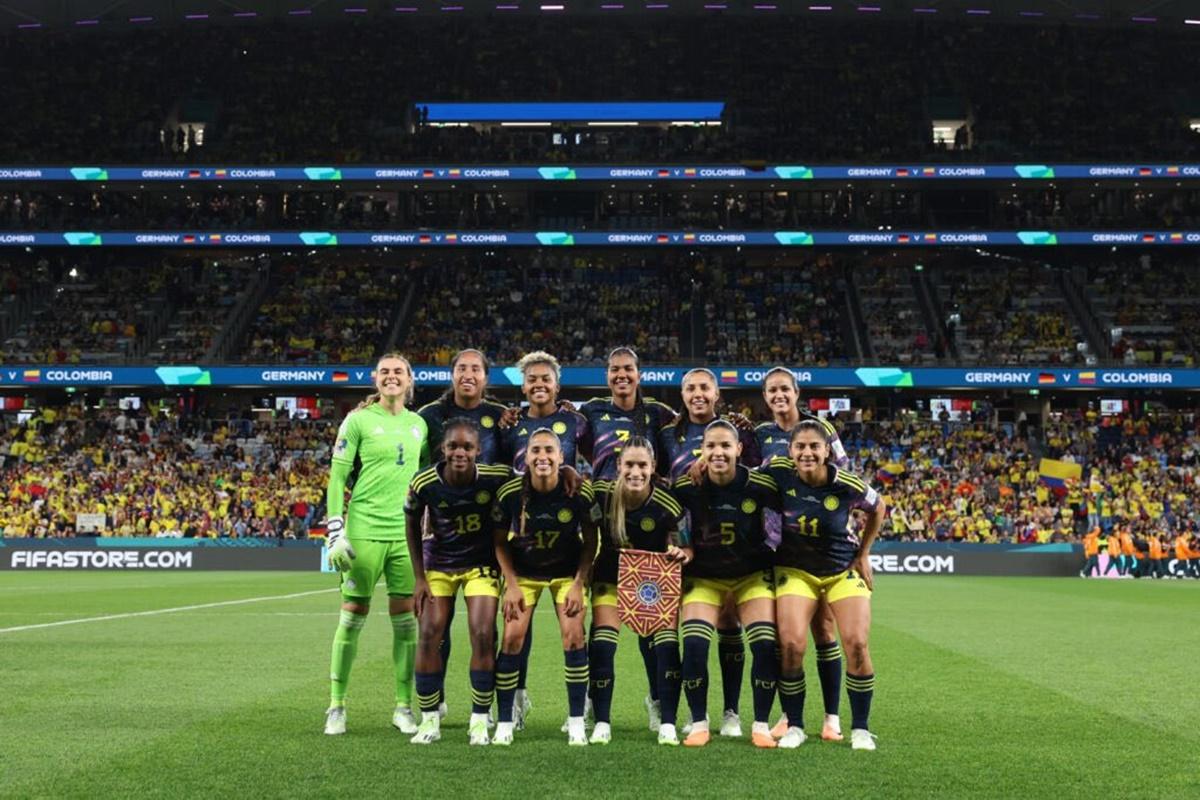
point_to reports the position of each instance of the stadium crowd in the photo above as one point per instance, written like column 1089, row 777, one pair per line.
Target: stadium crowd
column 164, row 475
column 1077, row 92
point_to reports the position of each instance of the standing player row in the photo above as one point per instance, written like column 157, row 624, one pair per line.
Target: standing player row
column 609, row 427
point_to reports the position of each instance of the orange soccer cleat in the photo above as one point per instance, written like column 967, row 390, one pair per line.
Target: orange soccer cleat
column 697, row 738
column 780, row 728
column 764, row 740
column 831, row 731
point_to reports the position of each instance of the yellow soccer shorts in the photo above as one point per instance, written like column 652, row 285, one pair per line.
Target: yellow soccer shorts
column 714, row 591
column 604, row 594
column 792, row 582
column 532, row 589
column 474, row 582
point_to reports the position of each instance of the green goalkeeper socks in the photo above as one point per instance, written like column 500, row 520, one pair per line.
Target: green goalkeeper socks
column 404, row 650
column 345, row 646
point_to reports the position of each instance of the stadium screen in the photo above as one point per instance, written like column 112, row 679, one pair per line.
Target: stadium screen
column 1111, row 407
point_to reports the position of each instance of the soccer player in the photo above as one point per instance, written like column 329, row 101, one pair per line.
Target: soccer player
column 466, row 398
column 818, row 557
column 679, row 445
column 642, row 516
column 455, row 552
column 540, row 383
column 782, row 395
column 541, row 380
column 545, row 539
column 612, row 422
column 382, row 445
column 732, row 565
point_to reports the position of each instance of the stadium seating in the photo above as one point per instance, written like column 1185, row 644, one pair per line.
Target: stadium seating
column 1155, row 305
column 822, row 91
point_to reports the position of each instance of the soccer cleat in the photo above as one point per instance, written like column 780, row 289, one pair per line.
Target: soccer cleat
column 576, row 732
column 760, row 736
column 667, row 735
column 589, row 715
column 731, row 724
column 522, row 705
column 402, row 718
column 654, row 712
column 335, row 721
column 429, row 731
column 503, row 735
column 478, row 731
column 831, row 731
column 697, row 738
column 686, row 730
column 443, row 710
column 862, row 739
column 602, row 734
column 781, row 727
column 792, row 738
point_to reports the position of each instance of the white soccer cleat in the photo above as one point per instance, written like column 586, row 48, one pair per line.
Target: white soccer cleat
column 522, row 705
column 443, row 710
column 478, row 730
column 654, row 713
column 667, row 735
column 792, row 739
column 576, row 732
column 862, row 739
column 429, row 731
column 503, row 735
column 335, row 721
column 402, row 719
column 602, row 733
column 589, row 715
column 731, row 724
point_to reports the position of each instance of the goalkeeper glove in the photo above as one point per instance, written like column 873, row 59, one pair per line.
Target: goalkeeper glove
column 341, row 554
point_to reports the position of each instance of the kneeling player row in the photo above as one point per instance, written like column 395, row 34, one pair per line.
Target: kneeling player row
column 537, row 532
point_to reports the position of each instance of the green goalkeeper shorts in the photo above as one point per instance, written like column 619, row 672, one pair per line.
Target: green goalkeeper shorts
column 375, row 559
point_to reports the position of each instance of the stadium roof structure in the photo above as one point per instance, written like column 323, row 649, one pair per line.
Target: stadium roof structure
column 30, row 15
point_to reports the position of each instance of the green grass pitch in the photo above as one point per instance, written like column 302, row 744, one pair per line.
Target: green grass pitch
column 986, row 687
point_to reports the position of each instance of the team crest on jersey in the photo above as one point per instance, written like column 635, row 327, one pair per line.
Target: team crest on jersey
column 559, row 427
column 487, row 422
column 647, row 524
column 482, row 498
column 565, row 515
column 416, row 432
column 342, row 446
column 749, row 506
column 831, row 503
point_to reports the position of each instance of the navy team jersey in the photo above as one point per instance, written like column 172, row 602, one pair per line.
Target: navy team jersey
column 459, row 535
column 553, row 539
column 610, row 427
column 654, row 525
column 773, row 441
column 486, row 415
column 679, row 450
column 728, row 534
column 816, row 519
column 570, row 427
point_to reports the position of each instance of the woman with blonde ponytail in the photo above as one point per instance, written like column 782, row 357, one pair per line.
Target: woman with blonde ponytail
column 382, row 444
column 639, row 515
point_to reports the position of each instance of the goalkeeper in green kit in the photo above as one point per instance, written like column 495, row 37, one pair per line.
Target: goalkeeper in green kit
column 382, row 445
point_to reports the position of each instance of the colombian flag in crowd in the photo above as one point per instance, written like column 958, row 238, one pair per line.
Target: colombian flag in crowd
column 1055, row 474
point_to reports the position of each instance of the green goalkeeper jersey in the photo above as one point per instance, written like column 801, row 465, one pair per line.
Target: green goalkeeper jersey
column 385, row 451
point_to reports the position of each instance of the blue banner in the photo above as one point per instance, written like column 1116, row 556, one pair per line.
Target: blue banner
column 572, row 112
column 449, row 173
column 360, row 376
column 916, row 238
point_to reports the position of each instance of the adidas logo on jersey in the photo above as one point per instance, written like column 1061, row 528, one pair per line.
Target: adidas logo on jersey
column 378, row 431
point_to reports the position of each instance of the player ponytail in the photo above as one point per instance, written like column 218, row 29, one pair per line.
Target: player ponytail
column 616, row 503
